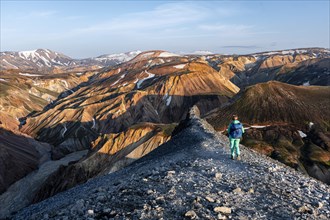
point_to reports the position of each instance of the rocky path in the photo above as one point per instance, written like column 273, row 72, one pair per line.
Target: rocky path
column 193, row 177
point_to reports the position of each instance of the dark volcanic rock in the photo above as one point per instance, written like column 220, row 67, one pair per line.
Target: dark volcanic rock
column 19, row 155
column 177, row 180
column 284, row 143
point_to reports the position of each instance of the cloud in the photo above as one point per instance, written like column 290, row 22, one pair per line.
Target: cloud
column 226, row 12
column 163, row 16
column 37, row 15
column 42, row 14
column 187, row 22
column 226, row 28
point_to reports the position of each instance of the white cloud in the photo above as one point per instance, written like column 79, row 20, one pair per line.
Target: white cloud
column 176, row 20
column 226, row 27
column 163, row 16
column 42, row 14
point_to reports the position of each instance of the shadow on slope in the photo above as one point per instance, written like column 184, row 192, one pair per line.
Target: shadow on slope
column 19, row 155
column 311, row 72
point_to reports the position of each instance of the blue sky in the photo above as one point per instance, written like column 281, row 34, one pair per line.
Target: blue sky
column 90, row 28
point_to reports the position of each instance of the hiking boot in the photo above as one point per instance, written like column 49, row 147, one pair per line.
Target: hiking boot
column 238, row 158
column 232, row 157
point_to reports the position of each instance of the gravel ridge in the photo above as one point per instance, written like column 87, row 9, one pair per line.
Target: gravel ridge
column 192, row 177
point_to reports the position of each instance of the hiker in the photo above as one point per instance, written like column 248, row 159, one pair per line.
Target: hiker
column 235, row 132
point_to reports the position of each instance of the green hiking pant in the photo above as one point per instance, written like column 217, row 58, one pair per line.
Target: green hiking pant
column 234, row 146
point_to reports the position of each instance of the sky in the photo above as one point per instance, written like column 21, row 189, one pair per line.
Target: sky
column 83, row 29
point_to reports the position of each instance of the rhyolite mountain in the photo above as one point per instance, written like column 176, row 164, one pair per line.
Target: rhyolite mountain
column 125, row 112
column 293, row 124
column 35, row 59
column 277, row 103
column 121, row 113
column 308, row 66
column 23, row 93
column 44, row 60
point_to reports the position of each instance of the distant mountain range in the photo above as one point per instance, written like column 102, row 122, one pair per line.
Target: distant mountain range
column 44, row 59
column 41, row 59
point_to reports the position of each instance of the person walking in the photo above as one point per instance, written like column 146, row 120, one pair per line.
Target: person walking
column 235, row 131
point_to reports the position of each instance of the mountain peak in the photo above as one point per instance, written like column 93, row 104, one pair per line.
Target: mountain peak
column 40, row 59
column 274, row 102
column 154, row 54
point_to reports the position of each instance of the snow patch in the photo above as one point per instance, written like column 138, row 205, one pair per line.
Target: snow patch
column 121, row 57
column 256, row 57
column 155, row 62
column 147, row 55
column 306, row 83
column 270, row 53
column 63, row 132
column 201, row 52
column 4, row 60
column 115, row 83
column 167, row 54
column 285, row 52
column 3, row 80
column 79, row 74
column 45, row 61
column 180, row 66
column 302, row 134
column 259, row 126
column 301, row 51
column 122, row 76
column 47, row 54
column 26, row 54
column 150, row 75
column 28, row 74
column 310, row 124
column 168, row 100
